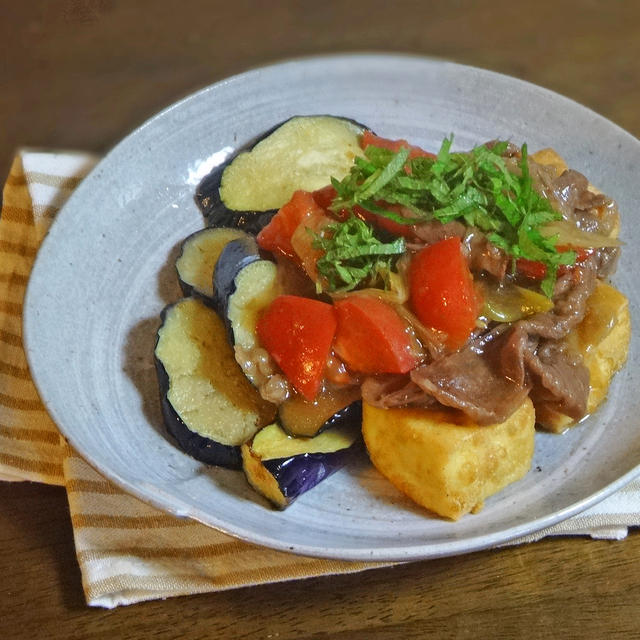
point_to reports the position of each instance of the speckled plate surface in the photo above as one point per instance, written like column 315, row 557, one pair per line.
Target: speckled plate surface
column 105, row 271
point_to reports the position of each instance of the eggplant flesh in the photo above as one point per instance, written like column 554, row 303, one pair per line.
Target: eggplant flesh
column 281, row 468
column 304, row 152
column 198, row 257
column 208, row 404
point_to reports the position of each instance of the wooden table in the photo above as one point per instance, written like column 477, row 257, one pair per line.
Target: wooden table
column 81, row 74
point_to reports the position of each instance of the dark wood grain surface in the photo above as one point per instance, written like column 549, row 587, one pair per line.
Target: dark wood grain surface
column 83, row 73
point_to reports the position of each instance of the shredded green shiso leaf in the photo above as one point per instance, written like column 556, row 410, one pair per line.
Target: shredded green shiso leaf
column 354, row 256
column 476, row 188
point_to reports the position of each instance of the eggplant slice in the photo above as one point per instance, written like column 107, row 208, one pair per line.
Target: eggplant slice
column 197, row 260
column 304, row 152
column 337, row 406
column 282, row 468
column 208, row 404
column 244, row 285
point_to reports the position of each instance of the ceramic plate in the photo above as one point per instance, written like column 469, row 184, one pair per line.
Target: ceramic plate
column 105, row 271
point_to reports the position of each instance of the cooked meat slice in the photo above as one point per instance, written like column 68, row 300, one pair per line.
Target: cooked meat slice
column 391, row 390
column 561, row 380
column 431, row 232
column 569, row 309
column 470, row 382
column 483, row 255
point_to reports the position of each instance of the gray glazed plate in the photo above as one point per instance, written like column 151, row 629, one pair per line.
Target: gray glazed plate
column 105, row 271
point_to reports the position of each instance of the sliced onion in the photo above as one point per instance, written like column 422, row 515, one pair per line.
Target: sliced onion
column 397, row 293
column 568, row 234
column 509, row 303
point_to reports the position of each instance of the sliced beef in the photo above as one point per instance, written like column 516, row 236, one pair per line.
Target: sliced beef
column 605, row 260
column 431, row 232
column 512, row 352
column 470, row 382
column 570, row 307
column 482, row 255
column 512, row 150
column 570, row 193
column 481, row 339
column 561, row 380
column 543, row 177
column 391, row 390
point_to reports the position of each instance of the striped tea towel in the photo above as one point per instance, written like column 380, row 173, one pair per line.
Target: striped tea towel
column 127, row 550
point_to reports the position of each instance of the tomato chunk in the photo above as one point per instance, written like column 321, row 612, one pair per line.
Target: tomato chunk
column 371, row 337
column 441, row 290
column 298, row 333
column 397, row 229
column 369, row 138
column 531, row 268
column 535, row 270
column 325, row 196
column 276, row 236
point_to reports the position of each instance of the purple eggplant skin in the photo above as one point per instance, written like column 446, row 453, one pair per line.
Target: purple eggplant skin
column 297, row 474
column 207, row 195
column 351, row 414
column 237, row 255
column 197, row 446
column 250, row 221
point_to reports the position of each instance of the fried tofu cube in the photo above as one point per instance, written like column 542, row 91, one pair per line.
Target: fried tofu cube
column 444, row 461
column 552, row 158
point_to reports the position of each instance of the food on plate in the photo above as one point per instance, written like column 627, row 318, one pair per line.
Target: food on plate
column 208, row 404
column 444, row 303
column 281, row 468
column 444, row 461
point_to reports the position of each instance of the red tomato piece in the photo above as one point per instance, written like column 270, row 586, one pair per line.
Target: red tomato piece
column 325, row 196
column 387, row 224
column 371, row 337
column 369, row 138
column 298, row 333
column 531, row 268
column 441, row 291
column 535, row 270
column 276, row 236
column 303, row 238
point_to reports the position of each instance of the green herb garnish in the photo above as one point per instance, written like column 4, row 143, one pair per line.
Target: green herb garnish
column 477, row 188
column 353, row 255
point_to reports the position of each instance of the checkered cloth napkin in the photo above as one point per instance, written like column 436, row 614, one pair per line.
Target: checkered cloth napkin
column 127, row 550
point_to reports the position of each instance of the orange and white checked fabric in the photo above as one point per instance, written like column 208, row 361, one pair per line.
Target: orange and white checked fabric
column 127, row 550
